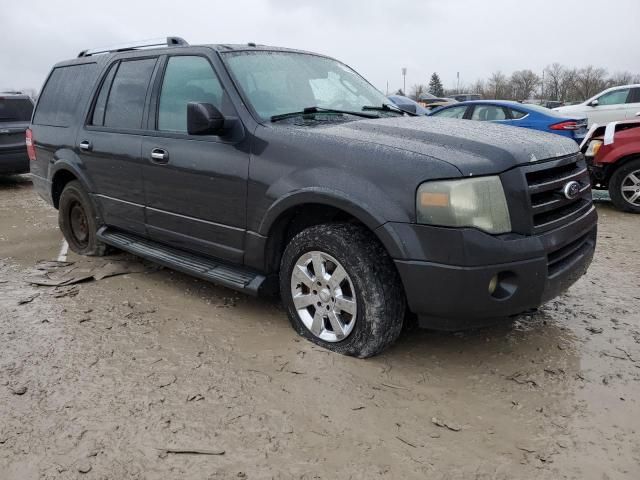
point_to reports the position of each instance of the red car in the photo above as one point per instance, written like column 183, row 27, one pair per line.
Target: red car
column 613, row 159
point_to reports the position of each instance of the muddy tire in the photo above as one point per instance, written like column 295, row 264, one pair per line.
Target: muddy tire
column 341, row 290
column 624, row 187
column 78, row 221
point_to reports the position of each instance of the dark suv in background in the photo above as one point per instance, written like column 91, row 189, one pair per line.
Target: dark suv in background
column 265, row 169
column 15, row 115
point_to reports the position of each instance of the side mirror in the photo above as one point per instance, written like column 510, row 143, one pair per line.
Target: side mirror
column 408, row 107
column 638, row 114
column 594, row 103
column 204, row 119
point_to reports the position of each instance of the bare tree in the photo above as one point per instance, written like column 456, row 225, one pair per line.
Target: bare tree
column 498, row 85
column 523, row 84
column 478, row 87
column 417, row 90
column 589, row 81
column 623, row 78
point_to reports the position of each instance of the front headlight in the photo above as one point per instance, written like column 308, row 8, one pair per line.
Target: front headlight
column 592, row 149
column 470, row 202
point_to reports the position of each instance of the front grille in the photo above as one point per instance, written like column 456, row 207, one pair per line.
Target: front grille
column 550, row 208
column 562, row 258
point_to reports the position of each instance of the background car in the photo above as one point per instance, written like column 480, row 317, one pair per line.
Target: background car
column 465, row 97
column 614, row 164
column 430, row 101
column 15, row 115
column 612, row 105
column 517, row 115
column 406, row 104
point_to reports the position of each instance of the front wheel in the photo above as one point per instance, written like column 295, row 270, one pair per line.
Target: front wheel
column 624, row 187
column 341, row 290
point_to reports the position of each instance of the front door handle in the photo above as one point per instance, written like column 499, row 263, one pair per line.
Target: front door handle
column 85, row 145
column 158, row 155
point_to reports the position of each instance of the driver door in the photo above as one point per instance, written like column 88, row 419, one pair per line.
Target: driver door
column 611, row 107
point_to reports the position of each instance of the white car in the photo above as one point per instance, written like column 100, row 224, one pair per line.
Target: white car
column 612, row 105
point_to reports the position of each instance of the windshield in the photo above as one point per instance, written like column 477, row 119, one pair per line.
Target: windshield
column 278, row 83
column 15, row 109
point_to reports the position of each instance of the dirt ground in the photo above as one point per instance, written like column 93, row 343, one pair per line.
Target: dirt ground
column 155, row 375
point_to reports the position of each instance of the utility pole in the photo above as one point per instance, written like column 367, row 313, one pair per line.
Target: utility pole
column 404, row 80
column 458, row 83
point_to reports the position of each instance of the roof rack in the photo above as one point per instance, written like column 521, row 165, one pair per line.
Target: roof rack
column 155, row 42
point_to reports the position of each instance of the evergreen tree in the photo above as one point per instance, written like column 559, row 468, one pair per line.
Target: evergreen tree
column 435, row 85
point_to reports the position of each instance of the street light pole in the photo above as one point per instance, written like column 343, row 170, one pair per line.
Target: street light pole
column 404, row 80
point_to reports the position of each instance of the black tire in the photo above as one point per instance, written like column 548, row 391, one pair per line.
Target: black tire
column 616, row 184
column 78, row 221
column 378, row 291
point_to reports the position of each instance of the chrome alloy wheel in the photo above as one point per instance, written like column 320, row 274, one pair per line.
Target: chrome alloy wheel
column 630, row 188
column 323, row 296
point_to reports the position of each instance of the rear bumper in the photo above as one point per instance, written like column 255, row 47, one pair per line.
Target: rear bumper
column 14, row 161
column 451, row 290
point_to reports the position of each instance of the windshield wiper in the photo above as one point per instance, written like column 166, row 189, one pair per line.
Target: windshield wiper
column 310, row 110
column 385, row 107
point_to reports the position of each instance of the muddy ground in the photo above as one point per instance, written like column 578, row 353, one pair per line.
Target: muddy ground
column 118, row 378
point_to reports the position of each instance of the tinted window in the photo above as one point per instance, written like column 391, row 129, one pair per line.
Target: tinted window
column 614, row 98
column 488, row 113
column 635, row 96
column 186, row 79
column 15, row 109
column 101, row 102
column 128, row 92
column 62, row 95
column 453, row 112
column 517, row 114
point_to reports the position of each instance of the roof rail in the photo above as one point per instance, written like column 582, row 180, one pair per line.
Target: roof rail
column 155, row 42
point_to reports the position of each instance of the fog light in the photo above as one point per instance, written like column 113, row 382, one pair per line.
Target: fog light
column 493, row 284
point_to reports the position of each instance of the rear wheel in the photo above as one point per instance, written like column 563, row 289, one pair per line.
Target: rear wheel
column 341, row 290
column 78, row 222
column 624, row 187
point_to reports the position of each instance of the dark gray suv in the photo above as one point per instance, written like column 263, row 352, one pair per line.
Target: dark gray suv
column 15, row 114
column 267, row 169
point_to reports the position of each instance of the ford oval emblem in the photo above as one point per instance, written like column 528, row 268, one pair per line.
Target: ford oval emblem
column 571, row 190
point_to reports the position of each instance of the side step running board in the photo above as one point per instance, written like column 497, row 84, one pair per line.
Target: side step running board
column 237, row 278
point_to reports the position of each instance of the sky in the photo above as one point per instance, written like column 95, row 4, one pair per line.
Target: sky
column 376, row 37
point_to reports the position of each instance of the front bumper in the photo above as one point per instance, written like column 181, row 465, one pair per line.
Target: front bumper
column 14, row 161
column 447, row 275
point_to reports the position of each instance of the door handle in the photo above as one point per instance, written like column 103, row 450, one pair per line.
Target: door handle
column 85, row 145
column 158, row 155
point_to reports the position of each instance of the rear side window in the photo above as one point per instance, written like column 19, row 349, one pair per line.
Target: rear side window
column 517, row 114
column 127, row 94
column 488, row 113
column 15, row 109
column 62, row 95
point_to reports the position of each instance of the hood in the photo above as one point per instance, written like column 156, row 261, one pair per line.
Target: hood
column 474, row 148
column 571, row 109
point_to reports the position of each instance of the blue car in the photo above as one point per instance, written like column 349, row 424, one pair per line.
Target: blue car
column 517, row 114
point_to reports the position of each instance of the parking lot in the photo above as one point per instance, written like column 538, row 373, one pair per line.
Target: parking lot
column 153, row 374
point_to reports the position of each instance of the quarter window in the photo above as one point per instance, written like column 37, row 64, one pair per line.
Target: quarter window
column 128, row 93
column 186, row 79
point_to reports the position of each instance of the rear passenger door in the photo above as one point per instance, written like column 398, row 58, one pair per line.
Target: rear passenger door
column 110, row 143
column 196, row 192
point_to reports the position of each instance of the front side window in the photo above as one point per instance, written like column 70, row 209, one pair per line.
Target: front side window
column 127, row 94
column 452, row 112
column 186, row 79
column 616, row 97
column 284, row 82
column 488, row 113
